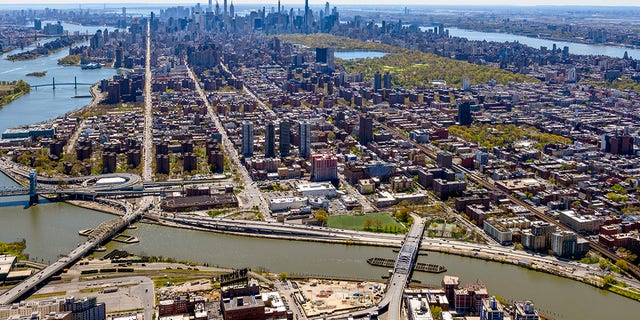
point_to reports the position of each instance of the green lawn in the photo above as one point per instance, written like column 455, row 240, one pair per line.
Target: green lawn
column 379, row 222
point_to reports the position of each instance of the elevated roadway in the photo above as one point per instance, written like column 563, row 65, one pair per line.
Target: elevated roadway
column 474, row 177
column 104, row 232
column 392, row 300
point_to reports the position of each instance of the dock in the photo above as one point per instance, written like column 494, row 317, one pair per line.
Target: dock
column 123, row 238
column 423, row 267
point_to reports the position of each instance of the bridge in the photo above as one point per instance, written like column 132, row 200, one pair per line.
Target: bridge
column 102, row 233
column 392, row 300
column 53, row 84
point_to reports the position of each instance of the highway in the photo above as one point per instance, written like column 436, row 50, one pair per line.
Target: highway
column 10, row 168
column 595, row 245
column 147, row 162
column 285, row 229
column 251, row 197
column 102, row 233
column 474, row 177
column 392, row 300
column 97, row 98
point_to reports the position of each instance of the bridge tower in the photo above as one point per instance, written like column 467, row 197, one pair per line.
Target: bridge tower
column 54, row 83
column 75, row 82
column 33, row 187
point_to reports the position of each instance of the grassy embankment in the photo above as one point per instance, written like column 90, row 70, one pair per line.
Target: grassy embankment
column 14, row 249
column 378, row 222
column 13, row 90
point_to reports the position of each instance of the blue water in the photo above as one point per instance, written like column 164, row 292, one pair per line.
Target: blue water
column 350, row 55
column 45, row 103
column 574, row 48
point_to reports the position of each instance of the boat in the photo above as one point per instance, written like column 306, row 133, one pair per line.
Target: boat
column 92, row 65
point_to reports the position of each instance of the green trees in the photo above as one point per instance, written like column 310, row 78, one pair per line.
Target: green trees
column 10, row 91
column 490, row 136
column 322, row 217
column 410, row 68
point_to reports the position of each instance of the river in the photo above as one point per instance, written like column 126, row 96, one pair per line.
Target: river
column 44, row 103
column 574, row 48
column 52, row 229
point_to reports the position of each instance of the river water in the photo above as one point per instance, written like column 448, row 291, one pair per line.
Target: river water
column 44, row 103
column 52, row 229
column 574, row 48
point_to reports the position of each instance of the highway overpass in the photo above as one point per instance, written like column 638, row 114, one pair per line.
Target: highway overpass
column 104, row 232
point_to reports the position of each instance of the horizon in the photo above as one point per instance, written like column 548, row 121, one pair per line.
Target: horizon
column 453, row 3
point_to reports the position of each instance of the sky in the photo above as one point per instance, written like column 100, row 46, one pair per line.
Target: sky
column 347, row 2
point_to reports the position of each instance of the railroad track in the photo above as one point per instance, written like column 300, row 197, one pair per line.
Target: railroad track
column 594, row 245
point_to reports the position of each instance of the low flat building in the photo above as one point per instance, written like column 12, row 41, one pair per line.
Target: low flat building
column 317, row 190
column 501, row 229
column 580, row 223
column 419, row 309
column 201, row 202
column 524, row 310
column 6, row 265
column 282, row 204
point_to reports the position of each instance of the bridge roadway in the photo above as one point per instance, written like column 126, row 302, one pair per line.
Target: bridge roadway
column 105, row 231
column 11, row 168
column 392, row 300
column 431, row 152
column 61, row 84
column 284, row 229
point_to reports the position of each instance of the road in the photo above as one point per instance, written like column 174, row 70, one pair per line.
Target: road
column 251, row 197
column 431, row 151
column 97, row 97
column 366, row 205
column 147, row 168
column 398, row 281
column 100, row 234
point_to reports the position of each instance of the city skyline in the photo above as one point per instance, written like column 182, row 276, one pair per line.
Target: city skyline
column 350, row 2
column 154, row 153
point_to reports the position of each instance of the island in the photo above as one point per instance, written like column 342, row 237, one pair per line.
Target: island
column 47, row 48
column 37, row 74
column 70, row 60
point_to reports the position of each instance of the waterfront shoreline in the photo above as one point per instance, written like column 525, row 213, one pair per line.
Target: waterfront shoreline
column 461, row 253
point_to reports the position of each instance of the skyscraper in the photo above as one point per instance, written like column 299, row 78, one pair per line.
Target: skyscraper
column 232, row 10
column 464, row 114
column 304, row 131
column 285, row 138
column 306, row 16
column 225, row 8
column 269, row 140
column 387, row 80
column 377, row 81
column 365, row 131
column 325, row 55
column 247, row 139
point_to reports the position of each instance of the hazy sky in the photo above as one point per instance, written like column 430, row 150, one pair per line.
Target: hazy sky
column 344, row 2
